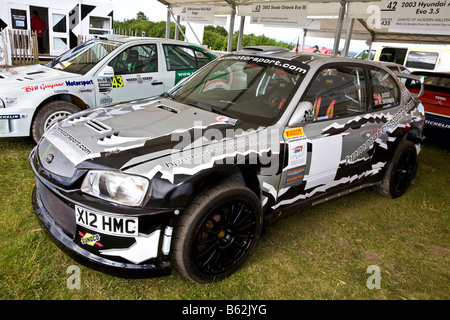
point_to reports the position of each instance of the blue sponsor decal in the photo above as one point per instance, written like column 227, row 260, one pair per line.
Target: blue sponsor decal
column 9, row 116
column 79, row 83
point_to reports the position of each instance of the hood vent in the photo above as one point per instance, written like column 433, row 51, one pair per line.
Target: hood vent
column 170, row 109
column 115, row 139
column 98, row 126
column 35, row 72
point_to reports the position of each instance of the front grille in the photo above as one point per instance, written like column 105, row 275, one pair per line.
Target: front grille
column 61, row 212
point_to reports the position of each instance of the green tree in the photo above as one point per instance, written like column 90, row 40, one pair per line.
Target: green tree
column 215, row 37
column 141, row 23
column 141, row 16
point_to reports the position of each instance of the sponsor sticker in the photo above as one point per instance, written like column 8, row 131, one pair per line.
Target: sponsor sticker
column 297, row 153
column 105, row 99
column 11, row 100
column 90, row 239
column 42, row 87
column 79, row 83
column 294, row 176
column 227, row 120
column 293, row 133
column 9, row 116
column 138, row 79
column 85, row 90
column 104, row 84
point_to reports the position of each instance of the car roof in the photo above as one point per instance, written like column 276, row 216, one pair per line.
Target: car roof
column 304, row 57
column 126, row 39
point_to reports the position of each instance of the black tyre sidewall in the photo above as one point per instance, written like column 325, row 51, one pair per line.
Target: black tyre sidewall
column 37, row 127
column 189, row 223
column 388, row 183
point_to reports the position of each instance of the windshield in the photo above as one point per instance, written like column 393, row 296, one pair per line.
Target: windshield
column 249, row 88
column 84, row 57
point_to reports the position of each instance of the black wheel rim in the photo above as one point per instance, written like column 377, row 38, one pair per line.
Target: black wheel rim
column 404, row 171
column 224, row 237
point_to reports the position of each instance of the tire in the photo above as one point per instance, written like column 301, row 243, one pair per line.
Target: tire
column 400, row 172
column 217, row 232
column 48, row 115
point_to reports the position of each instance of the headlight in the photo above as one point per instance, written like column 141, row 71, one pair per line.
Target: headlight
column 116, row 187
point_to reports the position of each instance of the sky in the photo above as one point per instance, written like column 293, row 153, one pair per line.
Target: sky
column 156, row 11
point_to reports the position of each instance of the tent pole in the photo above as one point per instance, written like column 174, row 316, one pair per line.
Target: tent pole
column 348, row 38
column 178, row 26
column 231, row 29
column 168, row 24
column 337, row 38
column 241, row 33
column 177, row 30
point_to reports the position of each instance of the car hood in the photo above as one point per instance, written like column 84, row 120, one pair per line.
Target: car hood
column 28, row 75
column 132, row 133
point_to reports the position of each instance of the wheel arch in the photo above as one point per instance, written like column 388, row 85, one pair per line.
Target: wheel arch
column 189, row 189
column 244, row 174
column 414, row 135
column 61, row 97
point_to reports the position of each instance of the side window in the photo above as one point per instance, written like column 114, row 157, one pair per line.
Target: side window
column 386, row 92
column 337, row 92
column 182, row 58
column 202, row 58
column 137, row 59
column 423, row 60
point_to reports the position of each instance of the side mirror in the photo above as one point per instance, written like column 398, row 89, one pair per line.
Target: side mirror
column 107, row 71
column 303, row 113
column 413, row 81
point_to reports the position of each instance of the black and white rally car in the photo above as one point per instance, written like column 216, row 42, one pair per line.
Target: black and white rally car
column 191, row 178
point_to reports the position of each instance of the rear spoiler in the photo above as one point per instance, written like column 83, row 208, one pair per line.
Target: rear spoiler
column 409, row 78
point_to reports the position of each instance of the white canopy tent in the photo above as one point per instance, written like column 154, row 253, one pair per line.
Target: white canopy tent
column 325, row 18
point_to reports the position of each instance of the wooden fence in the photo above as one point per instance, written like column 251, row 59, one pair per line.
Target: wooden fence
column 23, row 46
column 84, row 38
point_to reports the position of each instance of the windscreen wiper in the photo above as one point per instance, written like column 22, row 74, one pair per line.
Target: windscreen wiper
column 223, row 113
column 199, row 104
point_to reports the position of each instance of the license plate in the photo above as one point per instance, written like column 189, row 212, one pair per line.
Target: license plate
column 107, row 223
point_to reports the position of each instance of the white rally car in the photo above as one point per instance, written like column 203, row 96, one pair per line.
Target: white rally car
column 97, row 73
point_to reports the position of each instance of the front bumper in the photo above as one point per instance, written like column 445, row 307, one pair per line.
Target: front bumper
column 16, row 122
column 147, row 249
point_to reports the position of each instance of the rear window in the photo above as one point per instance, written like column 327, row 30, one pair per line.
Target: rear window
column 422, row 60
column 386, row 92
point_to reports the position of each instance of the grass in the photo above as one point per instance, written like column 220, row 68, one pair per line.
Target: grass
column 321, row 253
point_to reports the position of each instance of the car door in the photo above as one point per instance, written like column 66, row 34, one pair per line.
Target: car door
column 137, row 75
column 182, row 61
column 329, row 149
column 388, row 108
